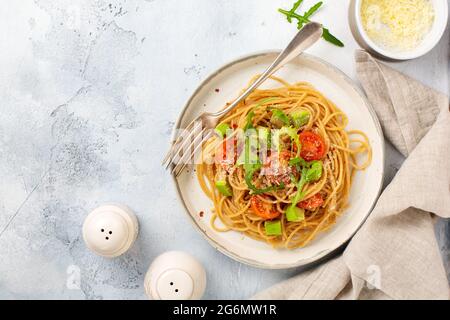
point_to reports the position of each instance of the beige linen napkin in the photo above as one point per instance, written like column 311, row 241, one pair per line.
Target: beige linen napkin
column 395, row 254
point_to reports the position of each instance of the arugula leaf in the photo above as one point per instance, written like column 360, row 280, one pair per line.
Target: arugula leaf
column 293, row 15
column 309, row 13
column 303, row 19
column 250, row 169
column 312, row 10
column 309, row 174
column 294, row 8
column 331, row 38
column 300, row 184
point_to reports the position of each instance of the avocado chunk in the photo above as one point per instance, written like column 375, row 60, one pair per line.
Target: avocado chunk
column 295, row 214
column 273, row 228
column 300, row 118
column 279, row 118
column 224, row 188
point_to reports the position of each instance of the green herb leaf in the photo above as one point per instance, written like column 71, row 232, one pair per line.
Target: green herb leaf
column 249, row 171
column 303, row 19
column 293, row 15
column 302, row 162
column 299, row 194
column 294, row 8
column 309, row 13
column 312, row 10
column 313, row 173
column 330, row 38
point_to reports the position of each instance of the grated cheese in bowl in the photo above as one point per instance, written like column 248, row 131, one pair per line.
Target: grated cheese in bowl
column 399, row 25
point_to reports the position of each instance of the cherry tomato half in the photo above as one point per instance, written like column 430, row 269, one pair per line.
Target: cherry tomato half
column 311, row 203
column 313, row 146
column 263, row 209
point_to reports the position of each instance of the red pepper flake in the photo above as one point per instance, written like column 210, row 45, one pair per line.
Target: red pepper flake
column 235, row 126
column 217, row 90
column 201, row 213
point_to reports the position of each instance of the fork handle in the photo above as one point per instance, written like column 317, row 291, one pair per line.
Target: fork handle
column 306, row 37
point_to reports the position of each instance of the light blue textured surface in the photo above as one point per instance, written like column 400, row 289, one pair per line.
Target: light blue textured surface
column 89, row 92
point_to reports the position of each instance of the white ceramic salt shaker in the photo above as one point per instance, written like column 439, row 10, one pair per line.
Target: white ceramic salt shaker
column 110, row 230
column 175, row 275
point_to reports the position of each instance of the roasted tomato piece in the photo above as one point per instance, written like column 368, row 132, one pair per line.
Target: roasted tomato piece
column 313, row 146
column 311, row 203
column 263, row 209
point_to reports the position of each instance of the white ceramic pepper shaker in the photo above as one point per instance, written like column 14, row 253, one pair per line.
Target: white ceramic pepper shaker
column 175, row 275
column 110, row 230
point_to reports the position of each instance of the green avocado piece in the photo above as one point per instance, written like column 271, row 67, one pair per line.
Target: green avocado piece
column 300, row 118
column 279, row 118
column 295, row 214
column 224, row 188
column 273, row 228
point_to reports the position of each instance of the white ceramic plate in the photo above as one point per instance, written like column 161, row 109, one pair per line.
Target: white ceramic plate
column 230, row 80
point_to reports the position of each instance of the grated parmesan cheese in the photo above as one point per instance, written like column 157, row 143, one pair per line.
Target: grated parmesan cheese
column 398, row 25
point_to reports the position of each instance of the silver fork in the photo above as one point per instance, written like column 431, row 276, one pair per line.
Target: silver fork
column 198, row 129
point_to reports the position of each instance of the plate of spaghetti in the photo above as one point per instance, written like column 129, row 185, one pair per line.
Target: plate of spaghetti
column 292, row 172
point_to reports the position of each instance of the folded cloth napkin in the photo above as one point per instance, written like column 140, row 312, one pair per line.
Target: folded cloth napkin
column 395, row 254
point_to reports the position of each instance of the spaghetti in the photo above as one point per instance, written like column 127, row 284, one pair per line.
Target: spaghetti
column 281, row 166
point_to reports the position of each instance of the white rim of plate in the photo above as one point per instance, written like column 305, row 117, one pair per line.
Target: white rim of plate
column 320, row 254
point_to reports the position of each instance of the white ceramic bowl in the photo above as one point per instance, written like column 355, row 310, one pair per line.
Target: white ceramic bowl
column 230, row 79
column 428, row 43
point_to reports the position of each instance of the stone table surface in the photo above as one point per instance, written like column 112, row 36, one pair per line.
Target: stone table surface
column 89, row 92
